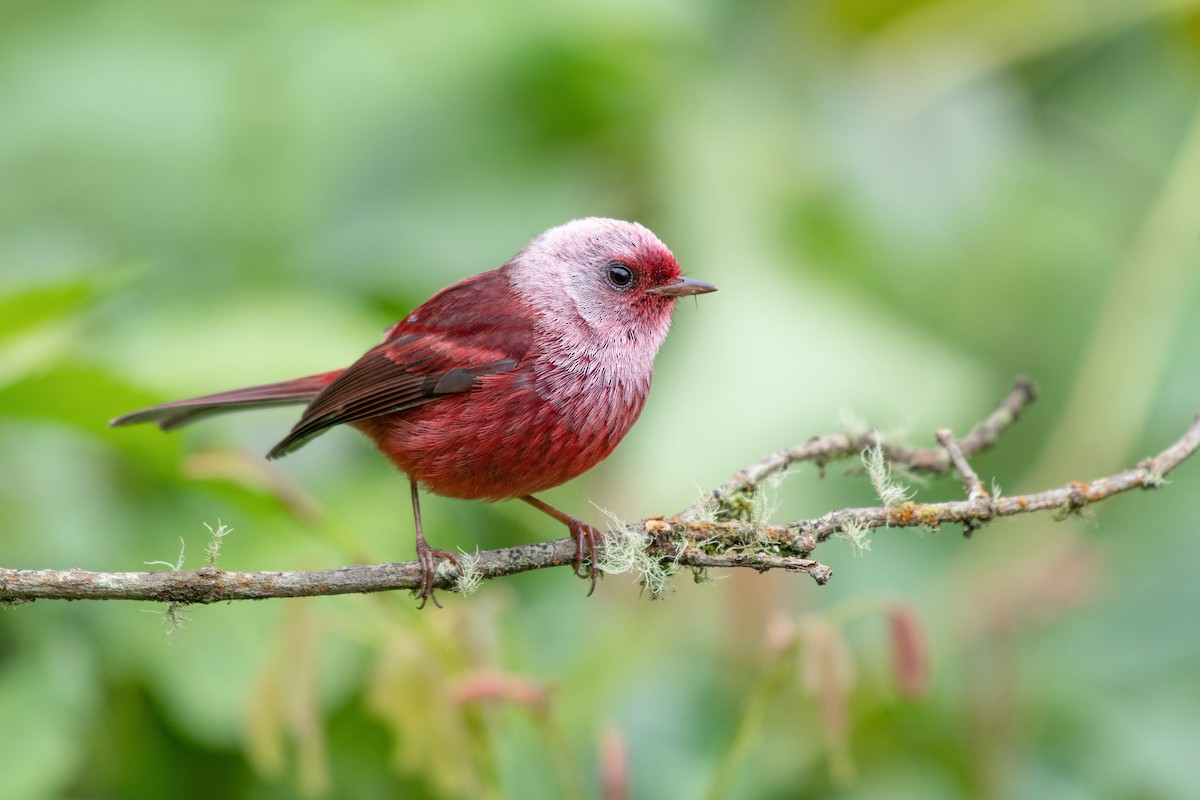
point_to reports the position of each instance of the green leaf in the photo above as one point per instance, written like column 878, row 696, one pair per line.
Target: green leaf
column 25, row 308
column 86, row 398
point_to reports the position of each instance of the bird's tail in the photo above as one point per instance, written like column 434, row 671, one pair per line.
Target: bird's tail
column 182, row 412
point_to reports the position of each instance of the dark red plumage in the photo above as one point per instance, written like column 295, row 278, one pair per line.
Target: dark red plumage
column 503, row 385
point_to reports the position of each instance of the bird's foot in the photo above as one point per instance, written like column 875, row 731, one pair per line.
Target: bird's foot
column 428, row 558
column 586, row 537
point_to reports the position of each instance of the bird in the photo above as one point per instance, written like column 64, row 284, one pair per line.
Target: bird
column 501, row 386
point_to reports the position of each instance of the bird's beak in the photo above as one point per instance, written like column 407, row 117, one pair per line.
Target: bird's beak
column 682, row 287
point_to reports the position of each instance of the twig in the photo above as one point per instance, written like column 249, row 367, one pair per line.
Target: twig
column 825, row 449
column 975, row 492
column 680, row 541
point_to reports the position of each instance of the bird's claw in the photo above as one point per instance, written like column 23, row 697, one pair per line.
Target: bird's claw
column 428, row 557
column 585, row 535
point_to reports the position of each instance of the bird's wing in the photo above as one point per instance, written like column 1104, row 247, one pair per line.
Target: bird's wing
column 469, row 330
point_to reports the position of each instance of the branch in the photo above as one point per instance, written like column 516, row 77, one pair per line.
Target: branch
column 718, row 533
column 821, row 450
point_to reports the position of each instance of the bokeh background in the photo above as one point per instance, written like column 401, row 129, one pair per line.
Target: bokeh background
column 904, row 204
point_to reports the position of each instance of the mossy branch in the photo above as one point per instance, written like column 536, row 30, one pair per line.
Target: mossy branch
column 718, row 532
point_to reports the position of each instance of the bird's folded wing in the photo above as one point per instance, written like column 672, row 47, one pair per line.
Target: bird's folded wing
column 402, row 373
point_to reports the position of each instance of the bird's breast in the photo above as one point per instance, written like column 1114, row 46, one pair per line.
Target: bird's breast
column 519, row 432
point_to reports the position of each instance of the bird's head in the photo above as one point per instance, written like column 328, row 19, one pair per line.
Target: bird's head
column 613, row 278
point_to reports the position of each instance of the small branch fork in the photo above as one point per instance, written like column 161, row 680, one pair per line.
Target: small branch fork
column 716, row 533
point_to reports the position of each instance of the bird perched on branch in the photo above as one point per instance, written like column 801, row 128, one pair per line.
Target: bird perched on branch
column 500, row 386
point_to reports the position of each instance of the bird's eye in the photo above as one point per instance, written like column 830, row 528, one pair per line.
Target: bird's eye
column 620, row 276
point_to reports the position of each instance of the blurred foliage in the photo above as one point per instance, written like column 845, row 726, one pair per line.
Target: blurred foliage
column 904, row 205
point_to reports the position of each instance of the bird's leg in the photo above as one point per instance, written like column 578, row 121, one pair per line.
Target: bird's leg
column 581, row 532
column 426, row 555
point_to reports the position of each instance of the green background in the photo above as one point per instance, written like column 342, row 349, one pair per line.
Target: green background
column 904, row 204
